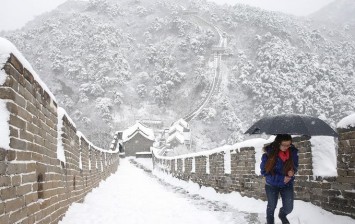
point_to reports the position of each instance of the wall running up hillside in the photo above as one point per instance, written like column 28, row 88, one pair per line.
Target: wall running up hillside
column 36, row 186
column 336, row 194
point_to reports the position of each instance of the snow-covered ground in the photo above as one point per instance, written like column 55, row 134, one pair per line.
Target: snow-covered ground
column 132, row 195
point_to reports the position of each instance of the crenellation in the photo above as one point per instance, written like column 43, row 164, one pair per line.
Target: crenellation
column 335, row 194
column 33, row 182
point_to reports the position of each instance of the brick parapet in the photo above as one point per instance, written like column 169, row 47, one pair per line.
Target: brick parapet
column 35, row 186
column 335, row 194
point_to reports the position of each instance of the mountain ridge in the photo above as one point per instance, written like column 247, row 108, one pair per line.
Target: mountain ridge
column 112, row 62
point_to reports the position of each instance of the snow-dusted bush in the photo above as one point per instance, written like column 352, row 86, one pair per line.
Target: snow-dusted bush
column 207, row 114
column 104, row 106
column 92, row 90
column 141, row 90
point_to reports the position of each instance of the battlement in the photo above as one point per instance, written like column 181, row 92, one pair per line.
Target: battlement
column 45, row 164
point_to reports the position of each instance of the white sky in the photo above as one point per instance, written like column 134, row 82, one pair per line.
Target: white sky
column 133, row 196
column 16, row 13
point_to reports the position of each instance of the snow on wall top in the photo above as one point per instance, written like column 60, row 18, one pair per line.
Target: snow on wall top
column 347, row 122
column 6, row 48
column 257, row 143
column 323, row 152
column 80, row 134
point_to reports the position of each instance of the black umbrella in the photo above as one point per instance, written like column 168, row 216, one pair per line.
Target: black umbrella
column 293, row 124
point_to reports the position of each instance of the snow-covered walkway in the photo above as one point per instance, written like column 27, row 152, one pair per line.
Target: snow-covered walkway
column 133, row 195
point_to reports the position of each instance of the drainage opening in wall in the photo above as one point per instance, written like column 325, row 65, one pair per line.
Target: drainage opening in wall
column 74, row 183
column 40, row 186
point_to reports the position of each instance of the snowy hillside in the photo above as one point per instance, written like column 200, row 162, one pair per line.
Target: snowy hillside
column 339, row 11
column 112, row 62
column 340, row 14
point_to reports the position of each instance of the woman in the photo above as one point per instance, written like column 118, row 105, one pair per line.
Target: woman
column 279, row 164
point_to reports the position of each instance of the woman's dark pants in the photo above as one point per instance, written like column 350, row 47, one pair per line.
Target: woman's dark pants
column 272, row 194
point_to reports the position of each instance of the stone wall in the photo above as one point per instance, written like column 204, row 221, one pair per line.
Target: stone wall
column 336, row 194
column 35, row 186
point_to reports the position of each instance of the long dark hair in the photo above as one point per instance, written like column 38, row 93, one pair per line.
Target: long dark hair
column 274, row 152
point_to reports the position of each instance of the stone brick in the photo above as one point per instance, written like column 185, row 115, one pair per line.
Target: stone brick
column 46, row 97
column 32, row 129
column 7, row 93
column 31, row 167
column 12, row 108
column 51, row 124
column 18, row 144
column 22, row 81
column 23, row 91
column 349, row 194
column 26, row 135
column 16, row 180
column 39, row 215
column 3, row 154
column 22, row 113
column 17, row 122
column 28, row 76
column 15, row 168
column 29, row 178
column 5, row 181
column 32, row 109
column 23, row 189
column 18, row 215
column 23, row 155
column 4, row 218
column 13, row 132
column 37, row 157
column 3, row 166
column 342, row 172
column 29, row 87
column 10, row 155
column 16, row 63
column 347, row 135
column 7, row 193
column 32, row 208
column 2, row 208
column 350, row 180
column 38, row 89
